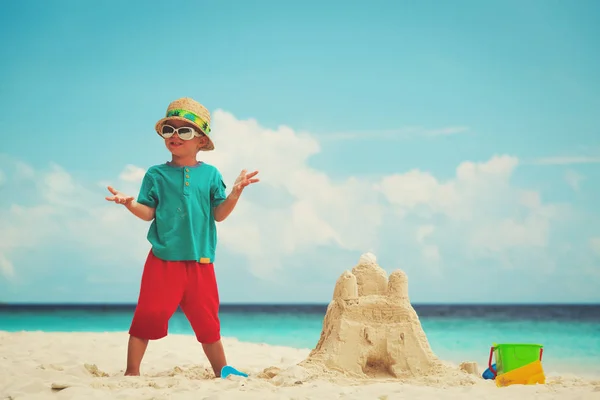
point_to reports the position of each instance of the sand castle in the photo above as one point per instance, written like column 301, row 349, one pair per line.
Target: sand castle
column 372, row 333
column 370, row 328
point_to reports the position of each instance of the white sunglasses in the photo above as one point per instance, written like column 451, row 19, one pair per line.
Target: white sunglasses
column 184, row 133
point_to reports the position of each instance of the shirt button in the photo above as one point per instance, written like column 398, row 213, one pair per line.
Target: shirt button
column 187, row 176
column 187, row 184
column 187, row 170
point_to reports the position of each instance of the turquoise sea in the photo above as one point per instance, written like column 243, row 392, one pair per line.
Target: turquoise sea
column 570, row 334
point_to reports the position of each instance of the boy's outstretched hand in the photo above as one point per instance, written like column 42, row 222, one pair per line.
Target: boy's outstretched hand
column 119, row 197
column 139, row 210
column 242, row 181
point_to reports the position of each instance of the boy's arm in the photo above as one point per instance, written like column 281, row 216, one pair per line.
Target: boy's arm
column 223, row 210
column 141, row 211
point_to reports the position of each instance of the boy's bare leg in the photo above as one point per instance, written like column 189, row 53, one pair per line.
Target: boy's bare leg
column 216, row 356
column 135, row 352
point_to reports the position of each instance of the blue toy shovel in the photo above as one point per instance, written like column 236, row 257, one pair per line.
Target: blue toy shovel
column 229, row 370
column 490, row 373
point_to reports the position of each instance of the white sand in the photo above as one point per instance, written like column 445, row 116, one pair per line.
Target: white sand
column 372, row 347
column 91, row 365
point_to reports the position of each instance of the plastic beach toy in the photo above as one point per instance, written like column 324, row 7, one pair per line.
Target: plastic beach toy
column 513, row 355
column 529, row 374
column 229, row 370
column 516, row 364
column 488, row 373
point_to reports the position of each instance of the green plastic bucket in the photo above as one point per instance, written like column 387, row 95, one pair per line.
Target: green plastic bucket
column 511, row 356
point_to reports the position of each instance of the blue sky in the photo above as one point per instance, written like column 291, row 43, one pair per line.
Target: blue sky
column 459, row 142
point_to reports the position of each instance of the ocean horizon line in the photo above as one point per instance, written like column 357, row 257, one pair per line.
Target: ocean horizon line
column 296, row 304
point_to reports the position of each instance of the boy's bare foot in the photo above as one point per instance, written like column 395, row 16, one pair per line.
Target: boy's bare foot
column 216, row 356
column 135, row 352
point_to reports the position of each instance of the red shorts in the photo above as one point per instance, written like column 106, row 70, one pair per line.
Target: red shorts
column 168, row 284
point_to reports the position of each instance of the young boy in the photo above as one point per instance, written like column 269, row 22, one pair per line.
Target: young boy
column 183, row 198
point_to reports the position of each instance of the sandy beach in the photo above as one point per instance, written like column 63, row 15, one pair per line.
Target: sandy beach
column 372, row 346
column 38, row 365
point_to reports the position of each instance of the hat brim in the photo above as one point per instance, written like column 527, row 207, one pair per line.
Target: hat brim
column 209, row 146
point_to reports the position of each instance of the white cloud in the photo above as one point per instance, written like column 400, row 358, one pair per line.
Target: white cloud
column 68, row 215
column 479, row 204
column 131, row 173
column 509, row 233
column 530, row 199
column 475, row 215
column 349, row 213
column 450, row 130
column 413, row 188
column 595, row 245
column 423, row 231
column 567, row 160
column 396, row 134
column 320, row 212
column 23, row 170
column 6, row 267
column 574, row 179
column 429, row 252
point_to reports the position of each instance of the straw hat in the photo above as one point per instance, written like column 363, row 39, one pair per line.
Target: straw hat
column 189, row 110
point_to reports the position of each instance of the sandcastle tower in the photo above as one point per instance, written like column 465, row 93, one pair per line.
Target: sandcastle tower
column 370, row 328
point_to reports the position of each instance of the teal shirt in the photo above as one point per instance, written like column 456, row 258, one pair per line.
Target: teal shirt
column 184, row 198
